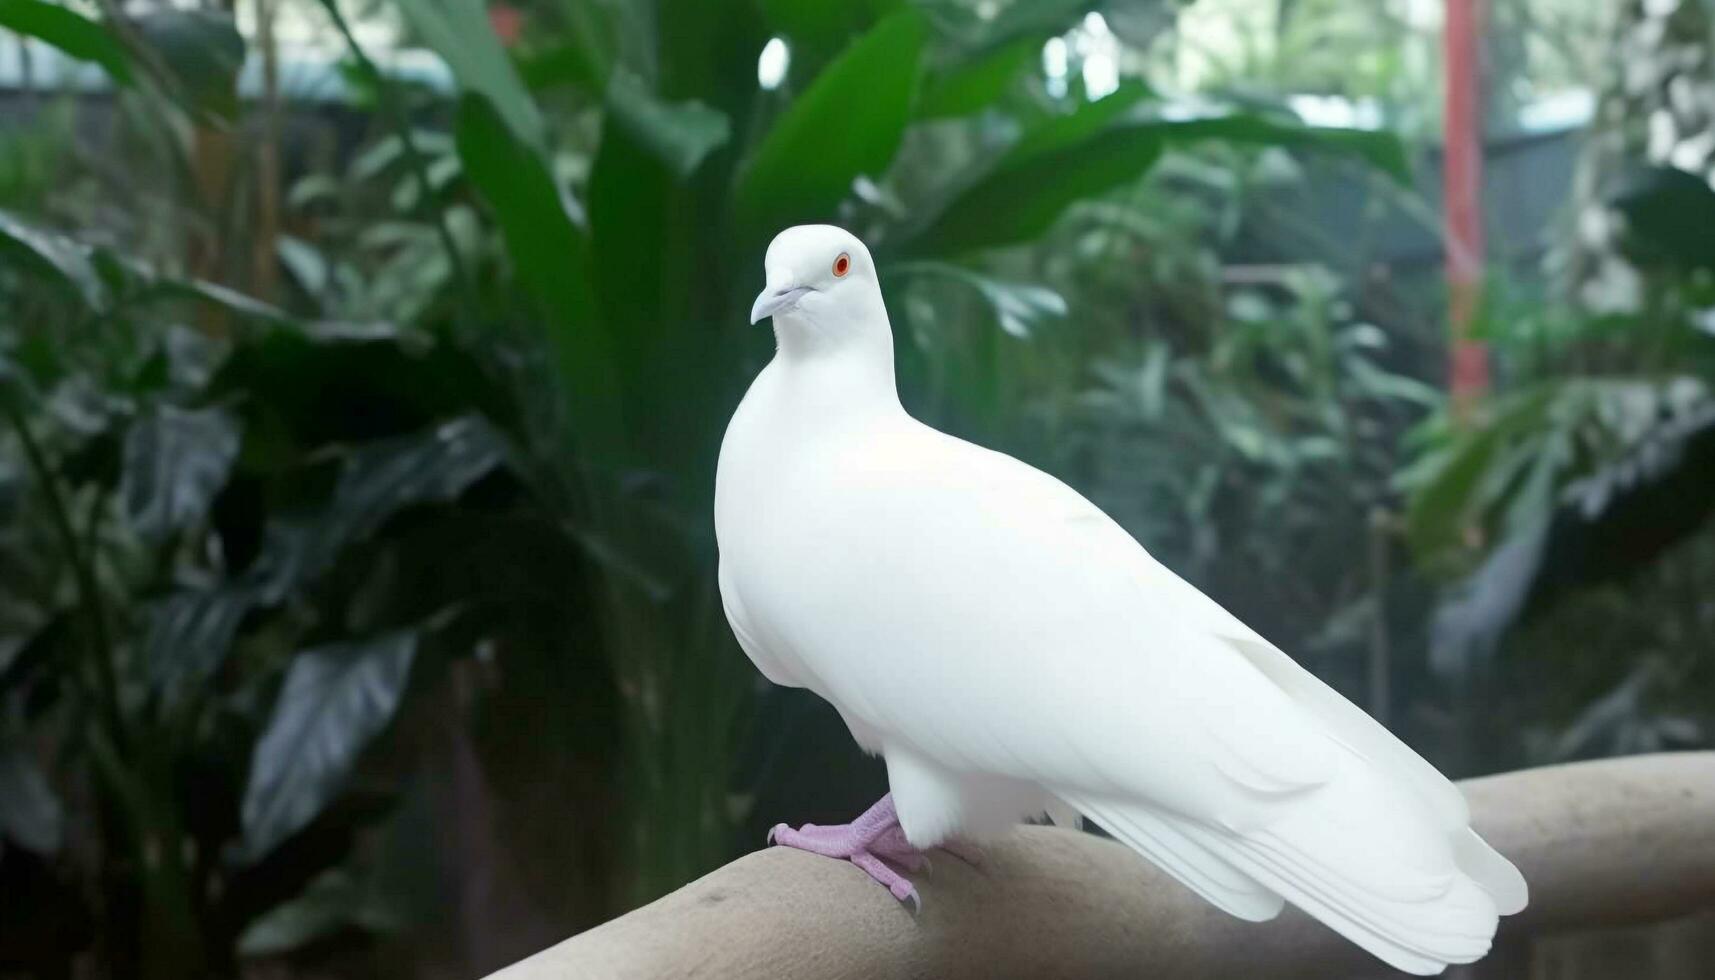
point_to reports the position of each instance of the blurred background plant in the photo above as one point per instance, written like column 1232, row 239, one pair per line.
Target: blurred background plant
column 364, row 368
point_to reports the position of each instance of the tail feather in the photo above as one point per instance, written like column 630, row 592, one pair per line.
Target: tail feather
column 1492, row 872
column 1153, row 834
column 1355, row 854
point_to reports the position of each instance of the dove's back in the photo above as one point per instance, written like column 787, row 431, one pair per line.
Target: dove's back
column 1008, row 648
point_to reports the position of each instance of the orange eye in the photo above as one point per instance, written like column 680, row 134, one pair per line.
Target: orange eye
column 842, row 265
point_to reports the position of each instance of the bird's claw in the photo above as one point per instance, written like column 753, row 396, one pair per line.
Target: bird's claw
column 906, row 892
column 865, row 843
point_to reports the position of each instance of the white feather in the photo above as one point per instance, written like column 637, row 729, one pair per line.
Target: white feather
column 1009, row 649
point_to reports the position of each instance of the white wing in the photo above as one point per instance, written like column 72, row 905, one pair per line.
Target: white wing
column 979, row 616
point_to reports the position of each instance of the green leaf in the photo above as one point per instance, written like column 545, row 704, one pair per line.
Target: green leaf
column 188, row 635
column 823, row 25
column 377, row 481
column 63, row 259
column 563, row 63
column 847, row 123
column 551, row 258
column 70, row 32
column 1101, row 146
column 1601, row 527
column 1020, row 201
column 202, row 51
column 1380, row 149
column 174, row 462
column 389, row 885
column 94, row 275
column 1668, row 215
column 679, row 134
column 971, row 86
column 335, row 700
column 459, row 31
column 1020, row 308
column 1064, row 132
column 331, row 901
column 1036, row 19
column 30, row 813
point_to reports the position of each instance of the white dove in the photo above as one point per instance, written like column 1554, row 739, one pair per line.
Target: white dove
column 1012, row 652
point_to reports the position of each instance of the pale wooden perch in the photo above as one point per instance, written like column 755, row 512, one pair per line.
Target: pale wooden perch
column 1602, row 843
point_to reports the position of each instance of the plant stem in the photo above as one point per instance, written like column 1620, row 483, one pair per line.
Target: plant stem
column 99, row 647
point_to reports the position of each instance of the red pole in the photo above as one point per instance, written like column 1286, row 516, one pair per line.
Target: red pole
column 1462, row 188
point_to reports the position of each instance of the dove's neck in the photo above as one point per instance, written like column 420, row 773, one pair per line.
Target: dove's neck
column 838, row 365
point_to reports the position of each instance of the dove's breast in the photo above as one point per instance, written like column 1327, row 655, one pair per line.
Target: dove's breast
column 766, row 515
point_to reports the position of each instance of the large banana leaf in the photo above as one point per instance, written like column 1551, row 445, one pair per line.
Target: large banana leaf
column 847, row 123
column 1102, row 145
column 550, row 255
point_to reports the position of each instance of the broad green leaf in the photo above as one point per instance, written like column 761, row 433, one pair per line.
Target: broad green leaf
column 1668, row 215
column 632, row 194
column 564, row 63
column 69, row 31
column 970, row 86
column 823, row 25
column 187, row 636
column 1101, row 146
column 335, row 700
column 848, row 122
column 1380, row 149
column 679, row 134
column 459, row 31
column 1021, row 201
column 1063, row 132
column 378, row 480
column 63, row 259
column 30, row 813
column 202, row 51
column 551, row 258
column 174, row 462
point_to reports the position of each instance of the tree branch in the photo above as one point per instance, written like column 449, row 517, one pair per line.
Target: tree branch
column 1601, row 843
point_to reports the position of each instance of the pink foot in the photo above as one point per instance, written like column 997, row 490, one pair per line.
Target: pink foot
column 864, row 842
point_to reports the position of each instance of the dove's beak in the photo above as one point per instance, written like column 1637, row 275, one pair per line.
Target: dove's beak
column 775, row 298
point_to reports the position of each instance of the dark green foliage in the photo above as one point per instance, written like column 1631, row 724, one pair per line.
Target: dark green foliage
column 199, row 53
column 1600, row 528
column 30, row 813
column 174, row 461
column 185, row 519
column 1669, row 213
column 68, row 31
column 334, row 700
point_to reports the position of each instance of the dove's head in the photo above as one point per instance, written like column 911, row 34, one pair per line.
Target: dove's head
column 821, row 289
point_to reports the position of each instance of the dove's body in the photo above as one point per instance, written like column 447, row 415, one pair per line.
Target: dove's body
column 1011, row 651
